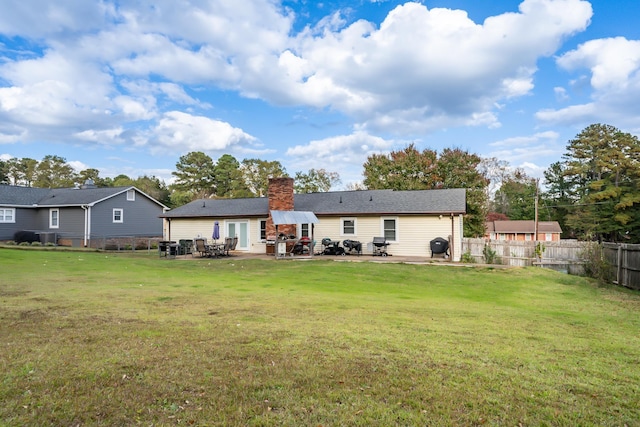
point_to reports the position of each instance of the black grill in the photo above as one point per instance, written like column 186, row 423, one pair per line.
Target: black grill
column 439, row 246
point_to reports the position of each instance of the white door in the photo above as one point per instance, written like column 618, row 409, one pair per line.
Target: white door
column 239, row 229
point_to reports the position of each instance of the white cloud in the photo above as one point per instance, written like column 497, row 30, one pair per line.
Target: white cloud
column 614, row 66
column 77, row 165
column 180, row 132
column 428, row 68
column 125, row 66
column 529, row 152
column 344, row 154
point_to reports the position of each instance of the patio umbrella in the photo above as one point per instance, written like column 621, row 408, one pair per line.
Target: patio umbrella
column 216, row 230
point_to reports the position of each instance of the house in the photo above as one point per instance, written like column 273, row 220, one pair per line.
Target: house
column 409, row 220
column 78, row 215
column 548, row 231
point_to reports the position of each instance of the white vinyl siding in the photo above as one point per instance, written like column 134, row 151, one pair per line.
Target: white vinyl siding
column 416, row 231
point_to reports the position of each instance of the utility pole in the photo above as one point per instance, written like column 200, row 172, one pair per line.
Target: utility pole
column 535, row 224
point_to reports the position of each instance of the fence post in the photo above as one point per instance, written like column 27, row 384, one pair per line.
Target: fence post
column 619, row 269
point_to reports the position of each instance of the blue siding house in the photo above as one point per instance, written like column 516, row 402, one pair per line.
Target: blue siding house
column 79, row 214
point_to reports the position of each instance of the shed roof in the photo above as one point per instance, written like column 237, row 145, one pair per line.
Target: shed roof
column 293, row 217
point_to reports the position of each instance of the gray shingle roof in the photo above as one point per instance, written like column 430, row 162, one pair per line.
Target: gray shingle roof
column 367, row 202
column 11, row 195
column 21, row 196
column 79, row 196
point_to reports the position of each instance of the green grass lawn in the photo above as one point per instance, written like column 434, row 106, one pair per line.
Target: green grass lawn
column 107, row 339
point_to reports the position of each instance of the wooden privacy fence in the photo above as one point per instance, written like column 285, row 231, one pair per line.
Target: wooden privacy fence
column 564, row 255
column 623, row 261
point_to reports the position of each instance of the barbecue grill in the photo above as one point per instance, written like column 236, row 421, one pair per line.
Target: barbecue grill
column 439, row 246
column 352, row 245
column 332, row 247
column 302, row 246
column 380, row 246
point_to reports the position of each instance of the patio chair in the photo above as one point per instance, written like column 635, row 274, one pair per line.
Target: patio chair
column 228, row 242
column 234, row 243
column 201, row 248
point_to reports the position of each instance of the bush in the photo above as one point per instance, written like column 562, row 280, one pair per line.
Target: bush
column 467, row 258
column 490, row 255
column 24, row 244
column 50, row 244
column 36, row 244
column 595, row 265
column 25, row 236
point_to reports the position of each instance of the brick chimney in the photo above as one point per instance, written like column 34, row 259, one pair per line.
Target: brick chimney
column 280, row 196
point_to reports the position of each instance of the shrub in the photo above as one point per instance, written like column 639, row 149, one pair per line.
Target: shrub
column 25, row 236
column 24, row 244
column 595, row 265
column 50, row 244
column 467, row 258
column 36, row 244
column 490, row 255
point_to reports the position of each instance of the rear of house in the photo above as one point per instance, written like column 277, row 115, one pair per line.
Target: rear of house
column 408, row 220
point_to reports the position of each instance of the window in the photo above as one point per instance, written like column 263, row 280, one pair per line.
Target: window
column 527, row 237
column 348, row 226
column 54, row 218
column 7, row 215
column 131, row 195
column 389, row 229
column 117, row 215
column 548, row 237
column 263, row 229
column 304, row 230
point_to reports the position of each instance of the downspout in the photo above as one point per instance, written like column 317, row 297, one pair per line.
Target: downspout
column 88, row 225
column 451, row 257
column 84, row 208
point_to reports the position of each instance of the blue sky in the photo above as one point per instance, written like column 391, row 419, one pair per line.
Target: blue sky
column 129, row 86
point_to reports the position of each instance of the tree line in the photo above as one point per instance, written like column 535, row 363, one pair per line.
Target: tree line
column 593, row 191
column 197, row 176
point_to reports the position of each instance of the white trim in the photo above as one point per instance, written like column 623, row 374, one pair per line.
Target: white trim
column 131, row 192
column 238, row 222
column 57, row 219
column 396, row 230
column 355, row 226
column 4, row 215
column 121, row 220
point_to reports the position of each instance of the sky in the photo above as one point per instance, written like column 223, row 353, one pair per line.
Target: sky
column 129, row 86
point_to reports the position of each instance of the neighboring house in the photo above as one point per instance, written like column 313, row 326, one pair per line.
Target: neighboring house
column 409, row 220
column 548, row 231
column 79, row 214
